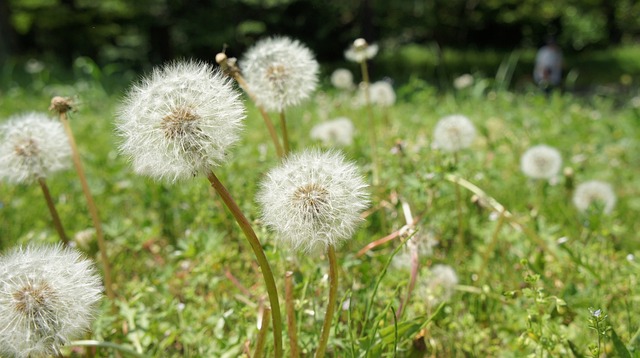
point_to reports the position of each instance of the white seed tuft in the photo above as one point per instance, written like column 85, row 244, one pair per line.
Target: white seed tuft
column 32, row 146
column 342, row 79
column 592, row 193
column 335, row 132
column 541, row 162
column 48, row 296
column 453, row 133
column 180, row 121
column 313, row 200
column 280, row 71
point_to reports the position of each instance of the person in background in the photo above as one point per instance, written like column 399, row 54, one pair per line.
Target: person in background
column 547, row 72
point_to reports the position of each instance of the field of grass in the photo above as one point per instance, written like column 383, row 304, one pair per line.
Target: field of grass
column 534, row 274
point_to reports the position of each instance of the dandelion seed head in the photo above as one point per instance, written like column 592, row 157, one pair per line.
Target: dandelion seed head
column 342, row 78
column 32, row 146
column 453, row 133
column 438, row 284
column 180, row 121
column 361, row 51
column 48, row 296
column 594, row 192
column 382, row 94
column 541, row 162
column 335, row 132
column 463, row 81
column 280, row 71
column 313, row 200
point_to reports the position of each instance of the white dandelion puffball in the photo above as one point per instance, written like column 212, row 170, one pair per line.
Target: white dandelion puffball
column 361, row 51
column 32, row 146
column 438, row 284
column 313, row 200
column 594, row 192
column 382, row 94
column 180, row 121
column 463, row 81
column 335, row 132
column 453, row 133
column 541, row 162
column 342, row 79
column 48, row 296
column 280, row 71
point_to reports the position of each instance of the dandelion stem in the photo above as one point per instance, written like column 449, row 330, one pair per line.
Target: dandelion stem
column 291, row 315
column 372, row 128
column 492, row 243
column 459, row 205
column 262, row 333
column 267, row 120
column 54, row 213
column 267, row 274
column 496, row 206
column 285, row 134
column 93, row 209
column 331, row 303
column 412, row 281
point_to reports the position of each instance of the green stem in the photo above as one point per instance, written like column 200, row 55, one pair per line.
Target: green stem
column 492, row 244
column 372, row 128
column 267, row 274
column 92, row 343
column 496, row 206
column 285, row 134
column 93, row 209
column 54, row 213
column 331, row 303
column 458, row 205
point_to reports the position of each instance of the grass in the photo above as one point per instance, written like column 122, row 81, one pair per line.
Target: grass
column 188, row 285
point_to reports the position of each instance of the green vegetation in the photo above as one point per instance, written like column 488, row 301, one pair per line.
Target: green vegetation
column 546, row 279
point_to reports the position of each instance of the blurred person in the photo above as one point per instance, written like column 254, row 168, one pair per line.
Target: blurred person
column 547, row 72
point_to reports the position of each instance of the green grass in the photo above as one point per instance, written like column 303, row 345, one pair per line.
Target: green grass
column 174, row 247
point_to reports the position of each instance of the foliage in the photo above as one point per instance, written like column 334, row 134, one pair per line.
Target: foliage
column 151, row 31
column 186, row 279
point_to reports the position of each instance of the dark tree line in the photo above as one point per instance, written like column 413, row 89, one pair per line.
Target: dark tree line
column 141, row 32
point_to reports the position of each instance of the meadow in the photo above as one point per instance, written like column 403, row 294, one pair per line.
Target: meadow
column 534, row 275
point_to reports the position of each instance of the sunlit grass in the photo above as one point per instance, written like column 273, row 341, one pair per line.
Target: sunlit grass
column 188, row 286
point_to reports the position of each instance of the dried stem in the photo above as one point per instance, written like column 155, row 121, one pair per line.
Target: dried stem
column 234, row 71
column 262, row 333
column 331, row 303
column 291, row 315
column 54, row 213
column 93, row 209
column 267, row 274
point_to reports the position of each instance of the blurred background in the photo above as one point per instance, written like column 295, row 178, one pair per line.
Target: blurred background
column 436, row 40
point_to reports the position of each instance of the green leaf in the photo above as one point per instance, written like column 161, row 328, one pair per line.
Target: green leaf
column 619, row 346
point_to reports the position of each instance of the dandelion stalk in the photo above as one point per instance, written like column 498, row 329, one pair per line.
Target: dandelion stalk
column 54, row 213
column 62, row 106
column 458, row 204
column 331, row 303
column 262, row 333
column 267, row 274
column 285, row 134
column 291, row 315
column 492, row 243
column 373, row 139
column 497, row 207
column 232, row 70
